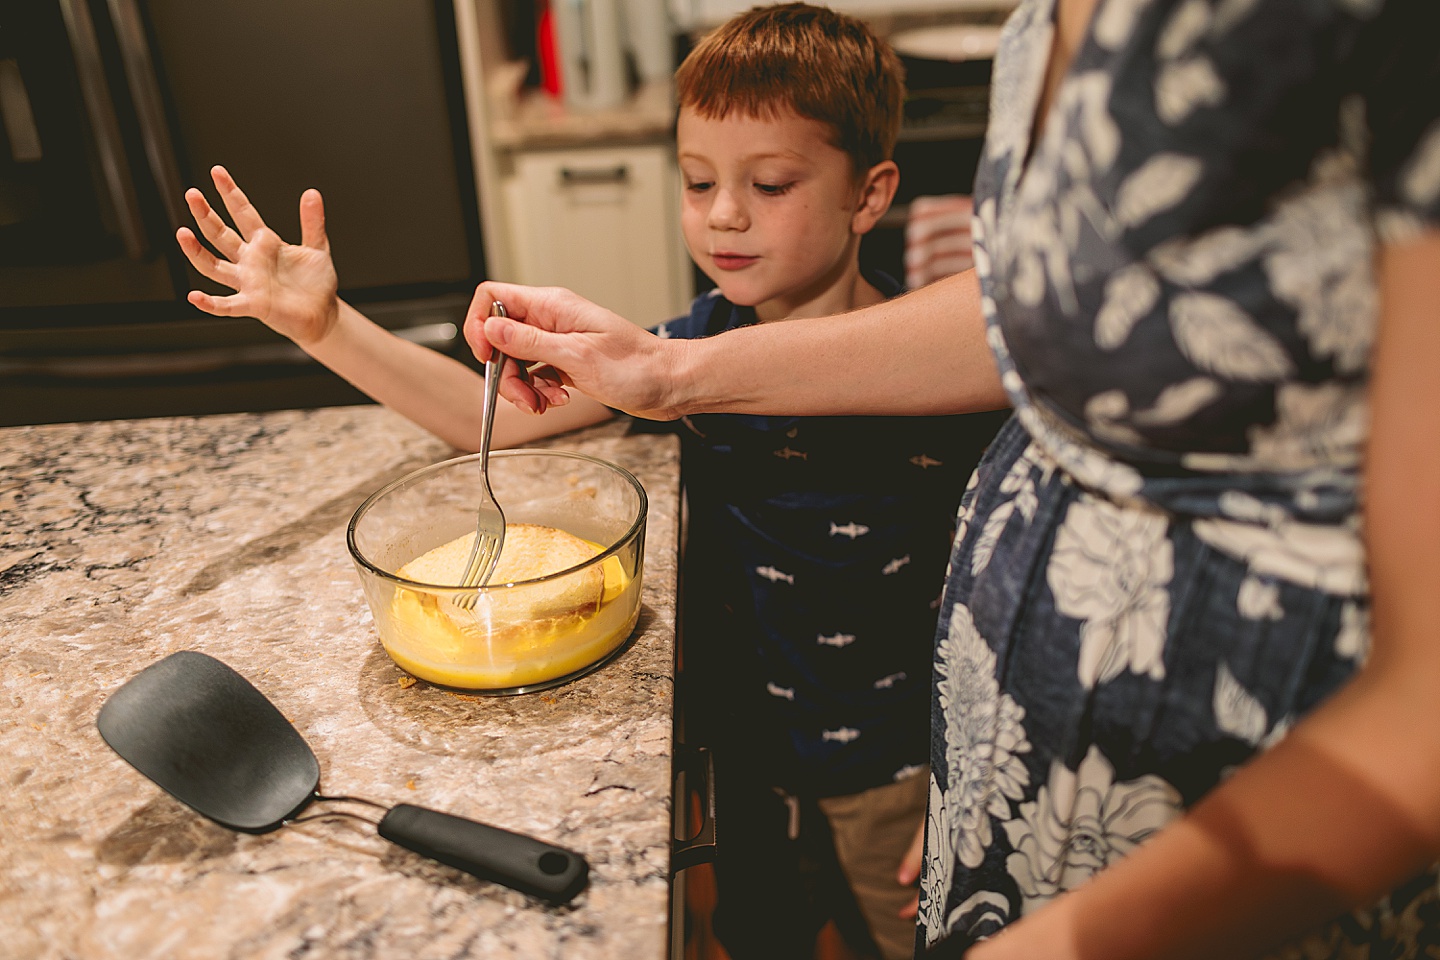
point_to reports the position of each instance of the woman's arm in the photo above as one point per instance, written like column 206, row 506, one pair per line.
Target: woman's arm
column 1348, row 805
column 923, row 353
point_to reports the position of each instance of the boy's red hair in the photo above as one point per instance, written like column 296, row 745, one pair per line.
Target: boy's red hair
column 818, row 63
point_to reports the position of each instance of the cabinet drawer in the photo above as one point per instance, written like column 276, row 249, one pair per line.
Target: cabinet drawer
column 605, row 223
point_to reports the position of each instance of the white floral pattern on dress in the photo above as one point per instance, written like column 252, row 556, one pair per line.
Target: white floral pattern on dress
column 1259, row 600
column 1179, row 402
column 1185, row 86
column 939, row 866
column 1353, row 640
column 1019, row 485
column 1115, row 22
column 1325, row 271
column 1081, row 821
column 1182, row 29
column 1421, row 181
column 1237, row 712
column 1199, row 261
column 1311, row 555
column 1081, row 460
column 1160, row 184
column 1316, row 426
column 983, row 748
column 1219, row 338
column 1180, row 297
column 1130, row 294
column 1110, row 568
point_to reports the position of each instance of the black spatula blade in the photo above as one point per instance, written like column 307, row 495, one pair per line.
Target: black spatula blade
column 208, row 738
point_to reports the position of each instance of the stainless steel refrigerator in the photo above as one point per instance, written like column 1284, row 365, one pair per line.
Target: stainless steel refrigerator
column 111, row 108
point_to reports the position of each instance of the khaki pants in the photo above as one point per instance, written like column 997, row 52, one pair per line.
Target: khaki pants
column 872, row 831
column 786, row 865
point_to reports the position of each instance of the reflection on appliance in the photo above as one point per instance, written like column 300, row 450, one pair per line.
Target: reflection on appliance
column 110, row 108
column 947, row 108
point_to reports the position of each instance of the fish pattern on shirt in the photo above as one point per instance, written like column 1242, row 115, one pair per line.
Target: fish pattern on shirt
column 818, row 547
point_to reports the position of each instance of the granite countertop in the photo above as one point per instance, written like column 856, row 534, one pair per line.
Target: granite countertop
column 123, row 542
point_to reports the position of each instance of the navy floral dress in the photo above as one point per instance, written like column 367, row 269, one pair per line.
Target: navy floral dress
column 1160, row 568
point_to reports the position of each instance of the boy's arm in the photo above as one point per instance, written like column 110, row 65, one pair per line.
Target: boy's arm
column 435, row 391
column 292, row 289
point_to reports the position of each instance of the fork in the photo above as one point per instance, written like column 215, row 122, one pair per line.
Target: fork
column 489, row 518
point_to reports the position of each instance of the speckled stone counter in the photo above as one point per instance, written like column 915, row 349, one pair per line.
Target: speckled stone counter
column 123, row 542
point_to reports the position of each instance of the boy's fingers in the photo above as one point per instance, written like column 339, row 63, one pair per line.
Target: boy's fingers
column 215, row 229
column 910, row 863
column 242, row 211
column 236, row 305
column 312, row 220
column 205, row 262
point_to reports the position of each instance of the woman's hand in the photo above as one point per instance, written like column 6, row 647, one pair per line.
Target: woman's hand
column 580, row 345
column 291, row 289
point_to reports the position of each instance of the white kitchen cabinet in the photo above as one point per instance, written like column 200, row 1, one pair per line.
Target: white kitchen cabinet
column 604, row 222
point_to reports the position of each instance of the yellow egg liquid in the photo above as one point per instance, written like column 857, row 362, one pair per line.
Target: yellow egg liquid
column 428, row 637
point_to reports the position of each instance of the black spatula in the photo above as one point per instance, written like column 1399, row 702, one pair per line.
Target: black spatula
column 208, row 738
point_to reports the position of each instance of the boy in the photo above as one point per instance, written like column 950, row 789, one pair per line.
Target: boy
column 798, row 671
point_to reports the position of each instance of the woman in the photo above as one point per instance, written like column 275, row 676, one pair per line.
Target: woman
column 1183, row 695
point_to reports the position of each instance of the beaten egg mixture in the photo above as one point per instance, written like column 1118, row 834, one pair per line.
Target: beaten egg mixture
column 519, row 633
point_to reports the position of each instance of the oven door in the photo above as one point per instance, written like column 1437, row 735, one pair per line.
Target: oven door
column 125, row 371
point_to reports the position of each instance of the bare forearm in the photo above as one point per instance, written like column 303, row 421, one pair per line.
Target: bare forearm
column 1320, row 824
column 923, row 353
column 433, row 390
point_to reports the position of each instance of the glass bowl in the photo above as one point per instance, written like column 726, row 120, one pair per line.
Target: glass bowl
column 520, row 636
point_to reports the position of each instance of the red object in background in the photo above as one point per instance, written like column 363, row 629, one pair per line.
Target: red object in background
column 550, row 80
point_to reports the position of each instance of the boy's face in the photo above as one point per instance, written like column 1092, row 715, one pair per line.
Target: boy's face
column 769, row 211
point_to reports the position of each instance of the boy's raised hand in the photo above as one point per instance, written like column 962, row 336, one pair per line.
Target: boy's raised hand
column 290, row 288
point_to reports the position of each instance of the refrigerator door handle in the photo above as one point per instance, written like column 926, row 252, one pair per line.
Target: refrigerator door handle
column 105, row 128
column 149, row 108
column 437, row 336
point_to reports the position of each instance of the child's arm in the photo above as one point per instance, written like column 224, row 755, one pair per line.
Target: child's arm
column 292, row 289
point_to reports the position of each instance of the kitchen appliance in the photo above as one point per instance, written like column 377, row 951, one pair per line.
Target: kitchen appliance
column 111, row 108
column 211, row 740
column 517, row 636
column 947, row 107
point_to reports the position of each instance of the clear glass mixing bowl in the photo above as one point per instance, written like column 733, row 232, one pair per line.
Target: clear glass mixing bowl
column 521, row 636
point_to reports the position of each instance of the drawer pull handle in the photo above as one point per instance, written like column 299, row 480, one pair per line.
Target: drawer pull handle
column 616, row 174
column 694, row 775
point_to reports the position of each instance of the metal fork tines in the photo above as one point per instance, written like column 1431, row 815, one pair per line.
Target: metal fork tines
column 489, row 518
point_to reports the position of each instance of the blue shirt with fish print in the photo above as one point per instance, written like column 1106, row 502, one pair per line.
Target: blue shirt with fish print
column 814, row 563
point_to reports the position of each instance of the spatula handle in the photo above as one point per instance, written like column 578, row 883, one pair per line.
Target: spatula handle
column 523, row 863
